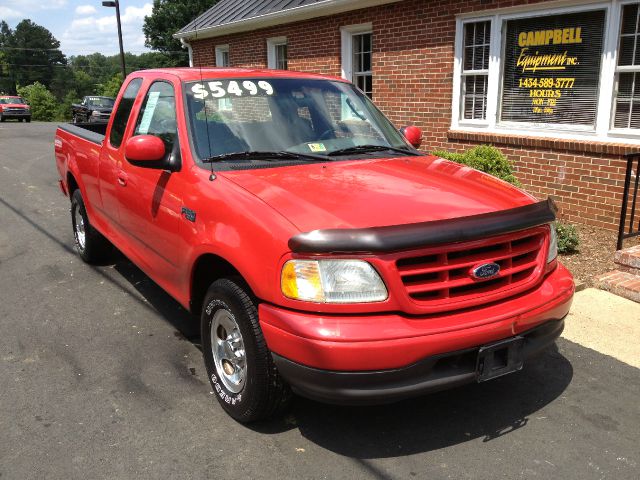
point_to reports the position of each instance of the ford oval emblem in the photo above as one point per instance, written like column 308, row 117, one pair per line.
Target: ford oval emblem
column 485, row 271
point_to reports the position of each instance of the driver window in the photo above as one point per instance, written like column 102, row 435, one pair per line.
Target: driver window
column 158, row 115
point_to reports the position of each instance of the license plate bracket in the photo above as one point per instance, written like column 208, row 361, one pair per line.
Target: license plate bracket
column 500, row 358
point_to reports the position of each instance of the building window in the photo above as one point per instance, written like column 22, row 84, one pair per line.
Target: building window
column 475, row 70
column 627, row 90
column 357, row 56
column 571, row 72
column 277, row 53
column 222, row 56
column 362, row 50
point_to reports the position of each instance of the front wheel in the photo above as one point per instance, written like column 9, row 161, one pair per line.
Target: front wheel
column 239, row 365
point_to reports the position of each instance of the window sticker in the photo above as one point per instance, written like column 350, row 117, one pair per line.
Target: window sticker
column 149, row 110
column 232, row 88
column 317, row 147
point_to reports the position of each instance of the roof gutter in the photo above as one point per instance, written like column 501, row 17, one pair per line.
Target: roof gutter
column 305, row 12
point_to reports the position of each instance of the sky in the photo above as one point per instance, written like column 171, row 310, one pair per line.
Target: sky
column 83, row 26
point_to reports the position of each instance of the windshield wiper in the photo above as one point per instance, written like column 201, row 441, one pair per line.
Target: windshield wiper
column 371, row 148
column 264, row 155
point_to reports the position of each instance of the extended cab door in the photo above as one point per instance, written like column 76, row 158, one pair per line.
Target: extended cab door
column 151, row 199
column 112, row 153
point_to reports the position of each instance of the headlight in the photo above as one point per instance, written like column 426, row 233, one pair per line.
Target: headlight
column 95, row 113
column 332, row 281
column 553, row 243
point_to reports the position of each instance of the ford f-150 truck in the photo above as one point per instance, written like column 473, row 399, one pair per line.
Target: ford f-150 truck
column 322, row 252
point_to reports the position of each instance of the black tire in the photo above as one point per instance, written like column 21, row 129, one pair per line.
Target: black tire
column 28, row 119
column 89, row 243
column 263, row 393
column 21, row 120
column 2, row 119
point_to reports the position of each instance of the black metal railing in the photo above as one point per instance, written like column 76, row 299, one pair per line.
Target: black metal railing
column 627, row 227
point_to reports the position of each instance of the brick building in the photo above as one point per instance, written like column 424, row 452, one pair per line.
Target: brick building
column 552, row 84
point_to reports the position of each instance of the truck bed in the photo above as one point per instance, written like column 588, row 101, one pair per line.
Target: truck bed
column 93, row 132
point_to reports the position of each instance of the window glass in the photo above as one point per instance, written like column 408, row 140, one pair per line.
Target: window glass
column 475, row 70
column 278, row 114
column 552, row 68
column 362, row 59
column 222, row 57
column 104, row 102
column 626, row 106
column 121, row 116
column 158, row 115
column 281, row 56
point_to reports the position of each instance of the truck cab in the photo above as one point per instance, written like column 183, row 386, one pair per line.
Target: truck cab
column 321, row 252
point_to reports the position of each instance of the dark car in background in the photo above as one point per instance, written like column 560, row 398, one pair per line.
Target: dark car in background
column 92, row 109
column 12, row 106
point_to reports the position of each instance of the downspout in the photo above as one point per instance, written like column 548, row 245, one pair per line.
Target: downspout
column 189, row 49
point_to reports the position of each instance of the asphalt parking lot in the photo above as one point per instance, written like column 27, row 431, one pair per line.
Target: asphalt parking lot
column 101, row 377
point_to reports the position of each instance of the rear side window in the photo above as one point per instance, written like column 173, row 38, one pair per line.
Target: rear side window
column 121, row 116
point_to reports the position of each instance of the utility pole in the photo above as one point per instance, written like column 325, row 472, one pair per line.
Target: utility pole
column 116, row 4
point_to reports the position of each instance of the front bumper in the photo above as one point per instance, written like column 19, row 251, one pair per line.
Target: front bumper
column 15, row 114
column 432, row 374
column 307, row 344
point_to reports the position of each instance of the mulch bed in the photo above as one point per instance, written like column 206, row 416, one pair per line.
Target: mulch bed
column 595, row 255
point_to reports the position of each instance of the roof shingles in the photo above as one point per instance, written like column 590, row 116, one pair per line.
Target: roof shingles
column 230, row 11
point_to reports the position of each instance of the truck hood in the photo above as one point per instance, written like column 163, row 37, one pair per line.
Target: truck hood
column 380, row 192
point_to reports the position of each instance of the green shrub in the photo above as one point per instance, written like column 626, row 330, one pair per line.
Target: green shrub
column 485, row 158
column 568, row 239
column 44, row 105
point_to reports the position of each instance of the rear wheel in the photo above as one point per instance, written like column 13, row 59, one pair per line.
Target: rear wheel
column 28, row 119
column 21, row 120
column 90, row 244
column 239, row 365
column 2, row 119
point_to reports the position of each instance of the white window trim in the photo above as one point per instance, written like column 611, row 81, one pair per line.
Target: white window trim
column 603, row 129
column 346, row 38
column 272, row 43
column 220, row 49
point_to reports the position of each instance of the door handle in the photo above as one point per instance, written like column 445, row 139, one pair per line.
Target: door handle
column 122, row 179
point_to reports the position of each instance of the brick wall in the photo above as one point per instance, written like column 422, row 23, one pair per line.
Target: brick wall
column 413, row 44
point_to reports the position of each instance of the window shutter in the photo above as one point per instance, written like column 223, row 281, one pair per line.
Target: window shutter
column 552, row 68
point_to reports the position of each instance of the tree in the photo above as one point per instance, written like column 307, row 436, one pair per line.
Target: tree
column 32, row 54
column 111, row 87
column 167, row 17
column 7, row 84
column 44, row 105
column 64, row 109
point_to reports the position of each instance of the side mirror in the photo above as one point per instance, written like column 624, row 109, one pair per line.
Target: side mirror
column 413, row 135
column 144, row 149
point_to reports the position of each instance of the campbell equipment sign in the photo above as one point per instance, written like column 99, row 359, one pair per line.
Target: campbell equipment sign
column 552, row 68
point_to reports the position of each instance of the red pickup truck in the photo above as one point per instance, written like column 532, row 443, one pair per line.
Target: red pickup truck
column 12, row 106
column 323, row 253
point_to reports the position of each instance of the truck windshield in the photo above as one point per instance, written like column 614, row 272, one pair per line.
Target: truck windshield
column 12, row 100
column 105, row 102
column 322, row 118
